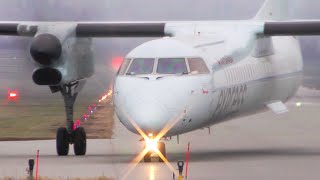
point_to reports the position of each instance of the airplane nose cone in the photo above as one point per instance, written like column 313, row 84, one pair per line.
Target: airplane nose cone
column 149, row 116
column 150, row 104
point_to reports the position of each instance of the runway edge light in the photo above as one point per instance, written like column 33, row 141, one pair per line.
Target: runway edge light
column 13, row 95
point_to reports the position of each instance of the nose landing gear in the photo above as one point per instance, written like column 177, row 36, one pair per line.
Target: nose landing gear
column 67, row 136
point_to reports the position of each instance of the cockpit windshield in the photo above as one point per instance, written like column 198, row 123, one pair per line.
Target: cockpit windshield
column 172, row 66
column 197, row 66
column 164, row 66
column 141, row 66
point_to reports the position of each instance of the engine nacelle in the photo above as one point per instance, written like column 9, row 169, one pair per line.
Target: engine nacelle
column 47, row 76
column 61, row 58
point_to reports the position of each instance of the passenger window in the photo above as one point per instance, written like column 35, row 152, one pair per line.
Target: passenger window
column 198, row 66
column 124, row 66
column 141, row 66
column 172, row 66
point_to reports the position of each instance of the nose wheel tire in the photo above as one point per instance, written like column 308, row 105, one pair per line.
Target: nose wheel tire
column 80, row 142
column 162, row 149
column 147, row 157
column 62, row 143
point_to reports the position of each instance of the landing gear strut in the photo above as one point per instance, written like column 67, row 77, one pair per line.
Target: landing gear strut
column 67, row 136
column 161, row 148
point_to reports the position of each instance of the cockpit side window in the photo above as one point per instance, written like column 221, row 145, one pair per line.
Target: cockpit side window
column 172, row 66
column 124, row 66
column 198, row 66
column 141, row 66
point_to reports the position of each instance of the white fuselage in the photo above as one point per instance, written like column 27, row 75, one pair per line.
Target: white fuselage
column 272, row 72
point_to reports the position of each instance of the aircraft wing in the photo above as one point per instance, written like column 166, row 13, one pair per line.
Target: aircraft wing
column 121, row 30
column 9, row 29
column 160, row 29
column 292, row 28
column 89, row 29
column 272, row 28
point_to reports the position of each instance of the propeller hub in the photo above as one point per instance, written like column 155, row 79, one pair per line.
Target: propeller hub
column 45, row 49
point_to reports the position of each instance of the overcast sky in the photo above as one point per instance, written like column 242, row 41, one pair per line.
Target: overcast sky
column 144, row 9
column 116, row 10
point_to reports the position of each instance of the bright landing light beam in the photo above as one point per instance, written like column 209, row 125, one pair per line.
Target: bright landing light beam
column 152, row 144
column 298, row 104
column 151, row 173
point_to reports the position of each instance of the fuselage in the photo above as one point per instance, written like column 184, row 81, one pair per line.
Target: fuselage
column 271, row 72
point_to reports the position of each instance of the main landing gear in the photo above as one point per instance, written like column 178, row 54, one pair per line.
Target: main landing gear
column 161, row 147
column 69, row 135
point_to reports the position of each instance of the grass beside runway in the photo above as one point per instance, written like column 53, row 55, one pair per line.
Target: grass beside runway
column 48, row 178
column 29, row 121
column 38, row 113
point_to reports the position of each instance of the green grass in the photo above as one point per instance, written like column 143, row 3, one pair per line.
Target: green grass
column 19, row 121
column 48, row 178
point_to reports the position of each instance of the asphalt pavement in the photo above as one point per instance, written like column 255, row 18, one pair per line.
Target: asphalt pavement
column 263, row 146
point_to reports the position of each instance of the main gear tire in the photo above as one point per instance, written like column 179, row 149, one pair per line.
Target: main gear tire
column 80, row 142
column 62, row 143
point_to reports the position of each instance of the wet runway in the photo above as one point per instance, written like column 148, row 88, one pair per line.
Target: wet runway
column 264, row 146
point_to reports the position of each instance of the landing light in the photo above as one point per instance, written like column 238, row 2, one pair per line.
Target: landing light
column 298, row 104
column 152, row 144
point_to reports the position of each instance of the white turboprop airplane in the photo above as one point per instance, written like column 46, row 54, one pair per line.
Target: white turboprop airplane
column 197, row 75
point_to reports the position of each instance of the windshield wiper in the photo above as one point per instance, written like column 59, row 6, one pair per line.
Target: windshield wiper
column 185, row 73
column 130, row 73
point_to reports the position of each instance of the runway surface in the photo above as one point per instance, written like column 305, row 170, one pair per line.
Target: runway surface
column 264, row 146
